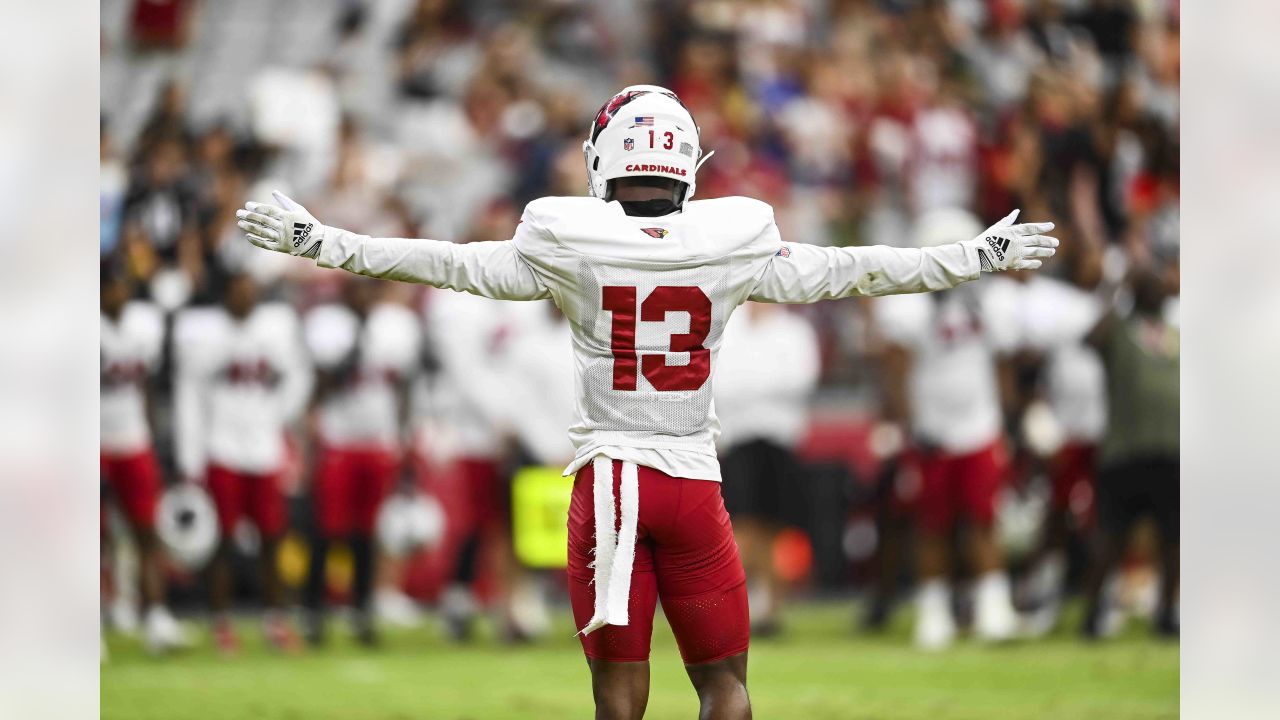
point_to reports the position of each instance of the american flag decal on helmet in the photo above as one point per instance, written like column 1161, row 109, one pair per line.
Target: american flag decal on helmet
column 644, row 120
column 655, row 232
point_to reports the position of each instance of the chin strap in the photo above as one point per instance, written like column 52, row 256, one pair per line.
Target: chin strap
column 615, row 542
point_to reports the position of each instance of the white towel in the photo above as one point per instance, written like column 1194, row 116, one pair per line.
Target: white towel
column 615, row 549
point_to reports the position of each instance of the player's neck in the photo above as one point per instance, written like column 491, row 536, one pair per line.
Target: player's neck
column 640, row 193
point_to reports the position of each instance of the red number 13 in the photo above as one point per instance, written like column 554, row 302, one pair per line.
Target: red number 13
column 620, row 301
column 670, row 140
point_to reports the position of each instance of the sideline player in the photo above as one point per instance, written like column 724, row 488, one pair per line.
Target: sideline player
column 647, row 280
column 132, row 337
column 242, row 377
column 365, row 351
column 470, row 337
column 762, row 392
column 942, row 368
column 1056, row 316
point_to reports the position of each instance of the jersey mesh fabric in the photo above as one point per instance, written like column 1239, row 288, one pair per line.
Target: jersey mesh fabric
column 648, row 409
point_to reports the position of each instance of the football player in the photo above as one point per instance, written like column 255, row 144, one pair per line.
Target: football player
column 1055, row 316
column 944, row 390
column 132, row 339
column 242, row 378
column 763, row 387
column 365, row 351
column 471, row 337
column 647, row 278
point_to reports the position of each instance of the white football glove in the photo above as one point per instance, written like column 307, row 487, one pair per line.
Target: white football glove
column 286, row 227
column 1005, row 246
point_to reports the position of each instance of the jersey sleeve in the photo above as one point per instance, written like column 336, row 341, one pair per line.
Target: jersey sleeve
column 537, row 246
column 489, row 269
column 802, row 273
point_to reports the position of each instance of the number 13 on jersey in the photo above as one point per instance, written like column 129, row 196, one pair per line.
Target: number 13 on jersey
column 620, row 301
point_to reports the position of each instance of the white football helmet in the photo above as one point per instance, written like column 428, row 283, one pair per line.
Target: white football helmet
column 187, row 525
column 644, row 130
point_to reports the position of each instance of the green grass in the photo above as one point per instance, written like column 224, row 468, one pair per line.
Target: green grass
column 818, row 670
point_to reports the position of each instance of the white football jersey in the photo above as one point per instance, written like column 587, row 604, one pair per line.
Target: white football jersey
column 647, row 300
column 1054, row 317
column 239, row 383
column 768, row 371
column 130, row 353
column 472, row 338
column 380, row 353
column 953, row 390
column 540, row 403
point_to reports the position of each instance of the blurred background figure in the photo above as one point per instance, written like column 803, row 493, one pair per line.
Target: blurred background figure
column 541, row 404
column 132, row 344
column 472, row 338
column 769, row 365
column 944, row 366
column 243, row 379
column 366, row 352
column 1139, row 466
column 1064, row 420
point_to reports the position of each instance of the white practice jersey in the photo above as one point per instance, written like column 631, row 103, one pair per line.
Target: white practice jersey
column 953, row 391
column 1054, row 317
column 239, row 383
column 472, row 338
column 130, row 352
column 373, row 357
column 769, row 367
column 647, row 300
column 540, row 403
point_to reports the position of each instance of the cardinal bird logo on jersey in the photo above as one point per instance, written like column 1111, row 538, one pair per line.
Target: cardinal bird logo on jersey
column 655, row 232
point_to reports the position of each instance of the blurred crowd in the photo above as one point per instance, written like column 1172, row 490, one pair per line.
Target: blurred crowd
column 861, row 121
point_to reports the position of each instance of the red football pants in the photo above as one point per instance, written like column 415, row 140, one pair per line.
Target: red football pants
column 685, row 556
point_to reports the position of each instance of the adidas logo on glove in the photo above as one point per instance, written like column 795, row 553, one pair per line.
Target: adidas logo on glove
column 301, row 233
column 998, row 245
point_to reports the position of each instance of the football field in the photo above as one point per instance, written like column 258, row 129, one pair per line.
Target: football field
column 818, row 670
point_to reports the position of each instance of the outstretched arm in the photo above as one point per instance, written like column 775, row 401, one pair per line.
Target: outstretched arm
column 488, row 269
column 802, row 273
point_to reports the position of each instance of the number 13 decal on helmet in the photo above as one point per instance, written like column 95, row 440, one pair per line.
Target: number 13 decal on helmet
column 668, row 142
column 620, row 301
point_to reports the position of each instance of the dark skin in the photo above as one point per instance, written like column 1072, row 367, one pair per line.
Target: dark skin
column 115, row 293
column 621, row 689
column 640, row 189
